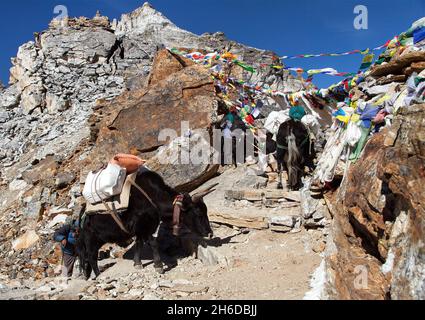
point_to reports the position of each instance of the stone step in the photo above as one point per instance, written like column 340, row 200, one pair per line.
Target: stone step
column 238, row 219
column 260, row 194
column 257, row 218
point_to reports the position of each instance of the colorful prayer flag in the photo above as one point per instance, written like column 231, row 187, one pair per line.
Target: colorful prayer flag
column 244, row 66
column 367, row 61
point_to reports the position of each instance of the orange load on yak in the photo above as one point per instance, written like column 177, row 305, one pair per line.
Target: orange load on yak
column 128, row 161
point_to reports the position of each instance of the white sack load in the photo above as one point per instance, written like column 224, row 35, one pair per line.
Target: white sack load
column 275, row 119
column 312, row 123
column 104, row 184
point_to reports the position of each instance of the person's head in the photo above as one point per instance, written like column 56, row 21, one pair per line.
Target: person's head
column 75, row 226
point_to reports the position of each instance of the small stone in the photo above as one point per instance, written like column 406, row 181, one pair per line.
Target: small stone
column 287, row 221
column 123, row 289
column 17, row 185
column 319, row 247
column 182, row 282
column 45, row 288
column 155, row 286
column 207, row 256
column 59, row 219
column 150, row 296
column 135, row 293
column 182, row 293
column 25, row 241
column 109, row 287
column 63, row 180
column 92, row 290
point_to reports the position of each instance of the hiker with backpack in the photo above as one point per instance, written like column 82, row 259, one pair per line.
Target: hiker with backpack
column 67, row 235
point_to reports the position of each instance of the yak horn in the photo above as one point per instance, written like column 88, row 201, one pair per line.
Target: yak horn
column 199, row 195
column 207, row 189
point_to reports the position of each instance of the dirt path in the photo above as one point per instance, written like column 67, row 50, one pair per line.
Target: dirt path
column 258, row 265
column 255, row 265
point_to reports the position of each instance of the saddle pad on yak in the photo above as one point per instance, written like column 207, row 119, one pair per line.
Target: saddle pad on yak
column 119, row 202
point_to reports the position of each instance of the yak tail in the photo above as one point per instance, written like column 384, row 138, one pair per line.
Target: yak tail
column 80, row 243
column 293, row 160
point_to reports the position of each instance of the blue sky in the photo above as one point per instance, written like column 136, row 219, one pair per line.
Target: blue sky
column 286, row 27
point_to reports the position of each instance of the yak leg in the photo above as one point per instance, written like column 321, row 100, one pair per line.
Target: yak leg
column 87, row 269
column 234, row 155
column 159, row 267
column 279, row 156
column 138, row 253
column 280, row 185
column 93, row 262
column 91, row 253
column 84, row 266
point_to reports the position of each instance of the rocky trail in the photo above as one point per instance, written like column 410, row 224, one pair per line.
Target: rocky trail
column 255, row 265
column 245, row 260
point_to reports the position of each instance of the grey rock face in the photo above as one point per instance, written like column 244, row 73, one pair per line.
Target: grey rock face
column 55, row 81
column 9, row 97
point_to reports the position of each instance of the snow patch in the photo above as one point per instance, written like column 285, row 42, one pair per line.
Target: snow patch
column 389, row 263
column 317, row 283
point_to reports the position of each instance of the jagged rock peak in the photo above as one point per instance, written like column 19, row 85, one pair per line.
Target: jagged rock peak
column 147, row 4
column 144, row 19
column 81, row 22
column 77, row 22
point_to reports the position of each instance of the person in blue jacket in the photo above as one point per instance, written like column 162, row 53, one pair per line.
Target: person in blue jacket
column 67, row 235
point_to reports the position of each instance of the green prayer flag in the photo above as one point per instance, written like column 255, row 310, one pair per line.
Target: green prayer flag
column 244, row 66
column 367, row 61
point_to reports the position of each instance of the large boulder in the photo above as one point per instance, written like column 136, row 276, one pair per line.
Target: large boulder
column 397, row 65
column 187, row 162
column 177, row 91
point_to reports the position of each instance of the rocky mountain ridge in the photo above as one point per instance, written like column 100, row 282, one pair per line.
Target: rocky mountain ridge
column 67, row 68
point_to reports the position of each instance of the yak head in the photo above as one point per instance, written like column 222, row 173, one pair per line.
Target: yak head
column 195, row 213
